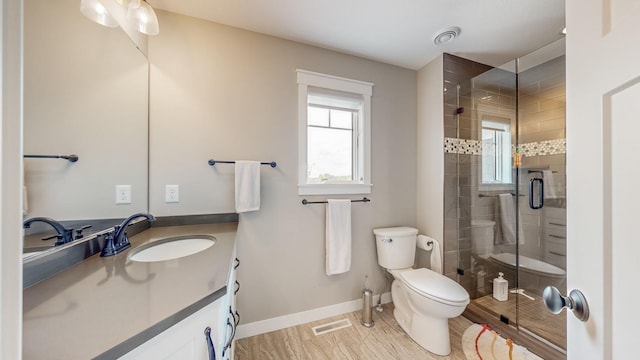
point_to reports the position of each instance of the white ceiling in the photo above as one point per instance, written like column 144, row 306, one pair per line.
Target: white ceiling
column 398, row 32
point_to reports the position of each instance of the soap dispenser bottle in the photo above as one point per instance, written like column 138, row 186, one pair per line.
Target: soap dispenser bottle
column 500, row 288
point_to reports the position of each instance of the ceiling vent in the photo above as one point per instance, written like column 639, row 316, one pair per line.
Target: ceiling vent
column 446, row 36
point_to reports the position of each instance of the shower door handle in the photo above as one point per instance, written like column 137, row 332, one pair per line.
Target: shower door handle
column 532, row 183
column 576, row 302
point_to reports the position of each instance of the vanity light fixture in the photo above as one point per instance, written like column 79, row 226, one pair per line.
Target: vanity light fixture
column 142, row 17
column 138, row 13
column 95, row 11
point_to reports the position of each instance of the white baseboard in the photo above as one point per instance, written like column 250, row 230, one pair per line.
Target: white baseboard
column 282, row 322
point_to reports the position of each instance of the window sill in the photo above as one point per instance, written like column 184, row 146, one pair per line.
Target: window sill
column 496, row 187
column 334, row 189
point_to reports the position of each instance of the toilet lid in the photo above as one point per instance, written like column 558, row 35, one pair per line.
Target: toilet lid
column 437, row 286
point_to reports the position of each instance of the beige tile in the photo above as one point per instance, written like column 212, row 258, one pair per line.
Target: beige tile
column 553, row 124
column 553, row 103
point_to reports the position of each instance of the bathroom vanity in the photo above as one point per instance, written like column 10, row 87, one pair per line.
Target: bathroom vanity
column 114, row 307
column 555, row 236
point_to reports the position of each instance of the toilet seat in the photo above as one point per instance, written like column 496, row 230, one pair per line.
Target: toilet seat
column 435, row 286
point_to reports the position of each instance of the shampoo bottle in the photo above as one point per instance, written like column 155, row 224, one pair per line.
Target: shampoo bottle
column 500, row 288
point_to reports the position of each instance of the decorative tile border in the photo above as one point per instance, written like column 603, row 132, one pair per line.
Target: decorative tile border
column 462, row 146
column 474, row 147
column 541, row 148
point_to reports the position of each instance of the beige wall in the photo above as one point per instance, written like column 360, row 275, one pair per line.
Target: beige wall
column 430, row 160
column 224, row 93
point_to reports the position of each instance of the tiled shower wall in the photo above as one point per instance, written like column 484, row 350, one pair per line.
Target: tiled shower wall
column 542, row 119
column 461, row 140
column 474, row 87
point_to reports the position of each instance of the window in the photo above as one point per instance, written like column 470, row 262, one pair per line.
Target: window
column 330, row 144
column 334, row 135
column 496, row 151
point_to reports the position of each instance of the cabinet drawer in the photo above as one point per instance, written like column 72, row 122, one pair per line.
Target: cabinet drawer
column 556, row 253
column 557, row 235
column 557, row 248
column 553, row 212
column 555, row 259
column 554, row 223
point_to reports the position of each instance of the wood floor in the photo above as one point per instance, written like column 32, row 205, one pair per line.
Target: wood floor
column 384, row 341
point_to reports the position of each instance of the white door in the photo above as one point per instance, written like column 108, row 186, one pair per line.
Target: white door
column 603, row 175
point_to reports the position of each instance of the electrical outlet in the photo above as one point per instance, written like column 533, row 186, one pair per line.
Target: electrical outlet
column 172, row 193
column 123, row 194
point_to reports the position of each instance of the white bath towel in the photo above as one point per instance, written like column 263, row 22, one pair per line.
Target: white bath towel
column 549, row 184
column 508, row 221
column 338, row 236
column 247, row 186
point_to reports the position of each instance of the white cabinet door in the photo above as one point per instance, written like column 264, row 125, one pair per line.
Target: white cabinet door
column 186, row 340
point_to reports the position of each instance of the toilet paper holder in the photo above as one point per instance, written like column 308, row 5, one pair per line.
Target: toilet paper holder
column 425, row 243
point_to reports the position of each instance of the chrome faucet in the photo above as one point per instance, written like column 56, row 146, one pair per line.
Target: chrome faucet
column 117, row 240
column 64, row 235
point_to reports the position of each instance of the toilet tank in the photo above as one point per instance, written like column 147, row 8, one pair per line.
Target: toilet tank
column 396, row 247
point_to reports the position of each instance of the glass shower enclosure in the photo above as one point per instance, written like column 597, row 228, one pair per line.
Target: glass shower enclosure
column 505, row 208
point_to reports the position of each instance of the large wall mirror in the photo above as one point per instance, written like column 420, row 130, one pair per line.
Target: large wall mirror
column 85, row 93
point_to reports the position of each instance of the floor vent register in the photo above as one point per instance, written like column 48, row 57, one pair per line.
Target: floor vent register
column 332, row 326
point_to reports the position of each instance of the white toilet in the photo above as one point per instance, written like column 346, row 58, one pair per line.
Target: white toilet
column 424, row 300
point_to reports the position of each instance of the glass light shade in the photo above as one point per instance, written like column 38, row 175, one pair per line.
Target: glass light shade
column 95, row 11
column 143, row 18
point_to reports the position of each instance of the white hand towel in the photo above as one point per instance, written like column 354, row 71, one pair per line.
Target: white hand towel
column 247, row 186
column 338, row 236
column 508, row 221
column 436, row 257
column 549, row 184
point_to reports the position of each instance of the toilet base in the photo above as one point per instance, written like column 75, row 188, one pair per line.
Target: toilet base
column 432, row 333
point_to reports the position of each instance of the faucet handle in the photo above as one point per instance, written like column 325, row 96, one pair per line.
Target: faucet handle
column 59, row 237
column 124, row 239
column 59, row 241
column 114, row 244
column 79, row 234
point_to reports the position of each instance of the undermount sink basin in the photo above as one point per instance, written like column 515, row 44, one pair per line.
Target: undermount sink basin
column 171, row 248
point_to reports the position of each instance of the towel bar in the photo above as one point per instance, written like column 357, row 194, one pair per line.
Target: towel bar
column 485, row 195
column 70, row 158
column 213, row 162
column 305, row 201
column 540, row 171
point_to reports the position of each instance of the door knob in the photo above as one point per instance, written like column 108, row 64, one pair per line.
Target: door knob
column 576, row 302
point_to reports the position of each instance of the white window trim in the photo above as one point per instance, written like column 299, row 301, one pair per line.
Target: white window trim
column 306, row 79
